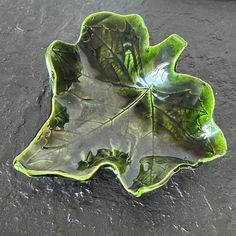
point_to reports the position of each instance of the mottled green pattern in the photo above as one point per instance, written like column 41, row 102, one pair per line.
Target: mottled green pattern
column 119, row 103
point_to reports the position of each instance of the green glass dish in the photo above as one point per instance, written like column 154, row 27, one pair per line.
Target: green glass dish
column 119, row 103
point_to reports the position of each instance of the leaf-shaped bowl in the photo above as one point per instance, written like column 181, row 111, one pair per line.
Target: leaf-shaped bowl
column 118, row 103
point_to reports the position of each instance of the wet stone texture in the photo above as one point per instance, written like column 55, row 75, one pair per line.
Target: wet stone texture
column 192, row 203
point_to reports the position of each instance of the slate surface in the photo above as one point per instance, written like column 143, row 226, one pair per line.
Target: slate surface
column 192, row 203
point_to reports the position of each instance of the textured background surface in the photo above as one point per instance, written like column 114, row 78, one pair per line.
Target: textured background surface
column 192, row 203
